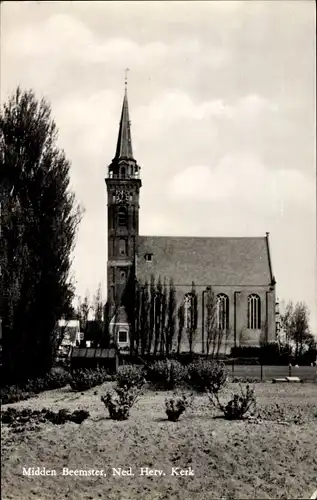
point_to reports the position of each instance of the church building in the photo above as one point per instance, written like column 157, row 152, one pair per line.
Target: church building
column 237, row 269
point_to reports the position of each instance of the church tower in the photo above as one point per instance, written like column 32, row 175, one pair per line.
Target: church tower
column 123, row 189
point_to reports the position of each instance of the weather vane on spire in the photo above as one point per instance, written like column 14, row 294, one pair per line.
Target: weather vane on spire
column 126, row 77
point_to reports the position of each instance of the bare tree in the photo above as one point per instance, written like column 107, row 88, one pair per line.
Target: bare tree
column 193, row 317
column 180, row 314
column 211, row 323
column 152, row 312
column 295, row 324
column 287, row 324
column 171, row 321
column 98, row 310
column 157, row 315
column 134, row 347
column 302, row 334
column 144, row 318
column 163, row 319
column 84, row 310
column 228, row 334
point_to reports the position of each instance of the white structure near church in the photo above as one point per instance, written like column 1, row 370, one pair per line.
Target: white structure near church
column 119, row 329
column 71, row 335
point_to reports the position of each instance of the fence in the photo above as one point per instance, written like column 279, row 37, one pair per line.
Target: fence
column 268, row 372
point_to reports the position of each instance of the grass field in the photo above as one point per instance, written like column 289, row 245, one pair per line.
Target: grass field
column 308, row 373
column 230, row 460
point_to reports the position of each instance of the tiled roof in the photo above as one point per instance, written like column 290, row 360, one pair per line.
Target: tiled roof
column 206, row 261
column 93, row 353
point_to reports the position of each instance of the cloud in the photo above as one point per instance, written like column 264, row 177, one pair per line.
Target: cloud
column 66, row 38
column 175, row 105
column 59, row 34
column 88, row 122
column 245, row 180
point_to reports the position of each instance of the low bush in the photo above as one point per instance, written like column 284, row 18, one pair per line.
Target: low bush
column 27, row 419
column 245, row 352
column 14, row 394
column 245, row 380
column 56, row 379
column 205, row 375
column 120, row 402
column 63, row 416
column 278, row 413
column 242, row 361
column 176, row 405
column 238, row 406
column 166, row 374
column 83, row 379
column 130, row 376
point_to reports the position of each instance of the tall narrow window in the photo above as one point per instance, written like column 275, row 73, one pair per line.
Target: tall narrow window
column 222, row 312
column 122, row 217
column 254, row 312
column 122, row 172
column 122, row 247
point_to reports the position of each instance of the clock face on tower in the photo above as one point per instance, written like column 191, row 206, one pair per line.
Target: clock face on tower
column 122, row 196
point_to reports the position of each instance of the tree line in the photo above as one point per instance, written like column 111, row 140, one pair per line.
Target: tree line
column 161, row 324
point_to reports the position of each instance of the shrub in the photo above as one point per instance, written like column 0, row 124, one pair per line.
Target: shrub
column 166, row 374
column 278, row 413
column 245, row 380
column 205, row 375
column 130, row 376
column 176, row 405
column 120, row 402
column 83, row 379
column 63, row 415
column 14, row 394
column 238, row 406
column 53, row 380
column 57, row 379
column 245, row 352
column 26, row 419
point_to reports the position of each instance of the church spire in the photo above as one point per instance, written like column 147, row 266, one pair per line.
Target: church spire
column 124, row 144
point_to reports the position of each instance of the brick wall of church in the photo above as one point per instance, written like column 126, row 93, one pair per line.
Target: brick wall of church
column 238, row 316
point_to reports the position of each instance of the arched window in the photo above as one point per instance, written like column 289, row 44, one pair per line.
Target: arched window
column 122, row 246
column 222, row 312
column 122, row 216
column 122, row 172
column 254, row 312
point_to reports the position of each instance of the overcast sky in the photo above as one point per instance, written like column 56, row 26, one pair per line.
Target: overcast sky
column 222, row 104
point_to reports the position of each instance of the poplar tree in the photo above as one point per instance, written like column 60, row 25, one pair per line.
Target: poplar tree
column 39, row 222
